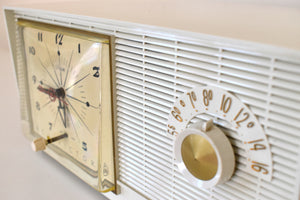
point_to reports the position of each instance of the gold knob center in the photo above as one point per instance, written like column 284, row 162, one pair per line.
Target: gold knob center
column 199, row 157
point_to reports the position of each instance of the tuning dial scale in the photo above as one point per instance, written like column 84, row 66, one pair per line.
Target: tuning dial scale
column 202, row 150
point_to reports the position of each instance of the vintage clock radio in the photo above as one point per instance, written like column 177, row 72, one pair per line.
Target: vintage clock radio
column 145, row 112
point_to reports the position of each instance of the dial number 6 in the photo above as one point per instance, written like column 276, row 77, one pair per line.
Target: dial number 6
column 176, row 114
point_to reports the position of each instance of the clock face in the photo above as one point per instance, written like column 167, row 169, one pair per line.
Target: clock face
column 64, row 79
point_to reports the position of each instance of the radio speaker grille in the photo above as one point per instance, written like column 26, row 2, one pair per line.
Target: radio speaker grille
column 152, row 72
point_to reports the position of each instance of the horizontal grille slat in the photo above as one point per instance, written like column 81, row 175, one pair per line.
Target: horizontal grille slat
column 284, row 145
column 148, row 144
column 246, row 57
column 228, row 194
column 283, row 75
column 197, row 47
column 197, row 57
column 255, row 77
column 146, row 151
column 247, row 67
column 287, row 66
column 240, row 191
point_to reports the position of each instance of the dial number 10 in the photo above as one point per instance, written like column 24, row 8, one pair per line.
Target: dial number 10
column 225, row 104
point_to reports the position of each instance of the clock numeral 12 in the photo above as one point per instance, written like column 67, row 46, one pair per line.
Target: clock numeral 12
column 58, row 38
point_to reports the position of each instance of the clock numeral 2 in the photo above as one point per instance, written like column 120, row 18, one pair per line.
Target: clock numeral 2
column 96, row 74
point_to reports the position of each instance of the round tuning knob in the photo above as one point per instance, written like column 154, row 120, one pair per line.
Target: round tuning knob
column 204, row 155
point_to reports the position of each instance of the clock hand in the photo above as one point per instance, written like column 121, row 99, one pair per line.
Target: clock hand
column 60, row 95
column 54, row 93
column 62, row 112
column 50, row 92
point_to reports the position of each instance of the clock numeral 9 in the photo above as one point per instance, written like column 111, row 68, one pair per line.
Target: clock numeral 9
column 34, row 79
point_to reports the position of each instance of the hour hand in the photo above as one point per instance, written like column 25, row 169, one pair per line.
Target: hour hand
column 54, row 93
column 49, row 91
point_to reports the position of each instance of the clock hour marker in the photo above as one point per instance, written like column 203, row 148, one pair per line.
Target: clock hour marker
column 40, row 36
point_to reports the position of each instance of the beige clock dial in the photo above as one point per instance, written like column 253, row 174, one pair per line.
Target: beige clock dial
column 64, row 81
column 67, row 72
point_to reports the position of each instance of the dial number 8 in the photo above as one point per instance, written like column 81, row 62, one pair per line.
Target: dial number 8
column 207, row 96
